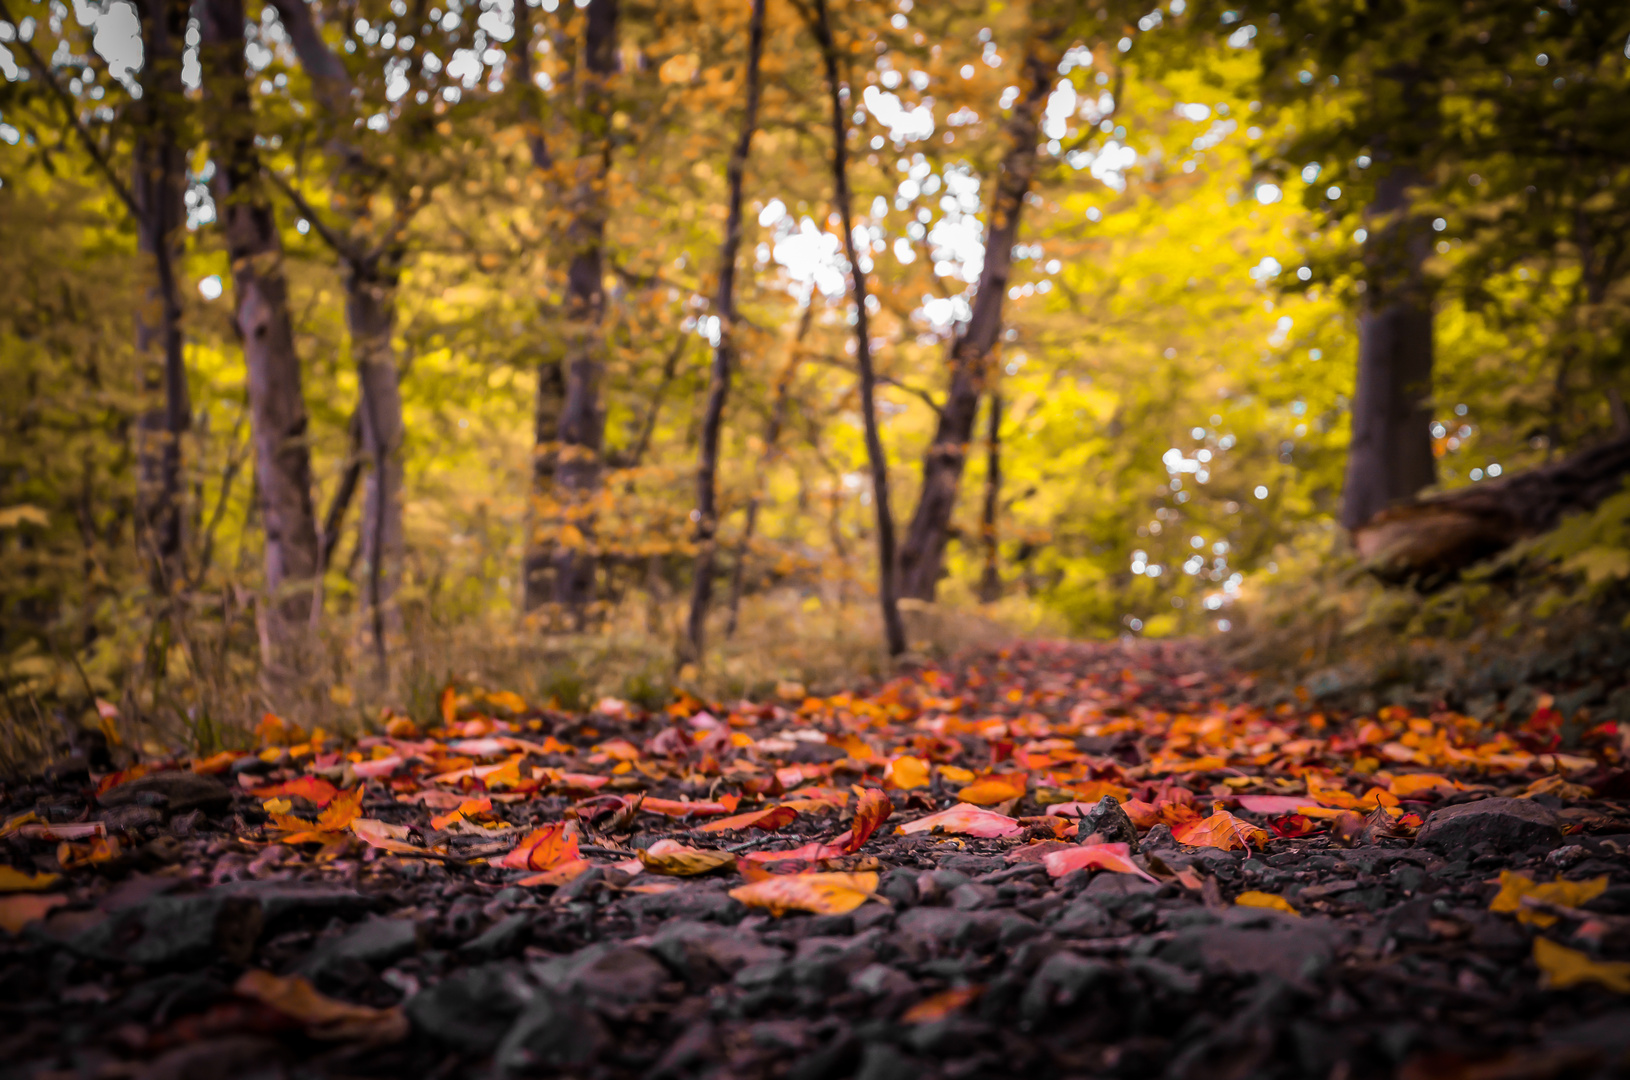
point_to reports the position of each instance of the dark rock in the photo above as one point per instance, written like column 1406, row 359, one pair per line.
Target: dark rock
column 947, row 929
column 1615, row 901
column 1294, row 953
column 607, row 972
column 1165, row 976
column 1109, row 820
column 880, row 1061
column 506, row 937
column 703, row 954
column 880, row 980
column 374, row 942
column 180, row 790
column 239, row 1056
column 130, row 818
column 186, row 931
column 698, row 1043
column 287, row 903
column 900, row 886
column 972, row 897
column 1084, row 918
column 474, row 1008
column 1059, row 983
column 1508, row 825
column 814, row 753
column 553, row 1032
column 1114, row 892
column 161, row 999
column 973, row 865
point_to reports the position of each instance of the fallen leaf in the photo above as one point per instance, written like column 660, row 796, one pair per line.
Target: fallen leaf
column 1220, row 830
column 543, row 849
column 387, row 837
column 562, row 874
column 344, row 808
column 769, row 819
column 1266, row 900
column 872, row 808
column 967, row 820
column 1561, row 967
column 1116, row 857
column 830, row 893
column 993, row 790
column 676, row 860
column 323, row 1017
column 1273, row 804
column 19, row 910
column 726, row 804
column 1515, row 886
column 314, row 789
column 942, row 1004
column 1414, row 785
column 906, row 772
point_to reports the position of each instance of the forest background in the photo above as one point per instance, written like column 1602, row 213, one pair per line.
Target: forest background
column 352, row 346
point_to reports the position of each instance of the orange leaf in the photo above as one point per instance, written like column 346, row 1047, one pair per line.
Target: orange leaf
column 674, row 808
column 543, row 849
column 1116, row 857
column 967, row 820
column 993, row 789
column 448, row 705
column 675, row 859
column 387, row 837
column 871, row 810
column 342, row 809
column 1220, row 830
column 312, row 788
column 323, row 1017
column 563, row 874
column 18, row 911
column 941, row 1005
column 830, row 893
column 907, row 772
column 769, row 819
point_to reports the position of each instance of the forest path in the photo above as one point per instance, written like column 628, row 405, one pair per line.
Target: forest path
column 1264, row 892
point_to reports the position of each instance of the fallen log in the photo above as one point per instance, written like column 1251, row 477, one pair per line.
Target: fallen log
column 1428, row 541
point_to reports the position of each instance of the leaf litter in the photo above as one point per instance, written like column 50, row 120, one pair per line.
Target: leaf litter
column 1049, row 858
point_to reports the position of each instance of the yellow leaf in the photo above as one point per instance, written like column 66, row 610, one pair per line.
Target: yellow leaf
column 1561, row 967
column 957, row 775
column 1515, row 886
column 14, row 880
column 277, row 806
column 1266, row 900
column 992, row 790
column 676, row 860
column 831, row 893
column 907, row 772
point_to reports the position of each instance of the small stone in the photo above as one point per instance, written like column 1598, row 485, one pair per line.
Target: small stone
column 181, row 931
column 1084, row 918
column 374, row 942
column 703, row 954
column 1109, row 820
column 506, row 937
column 1058, row 983
column 1507, row 825
column 553, row 1032
column 472, row 1009
column 607, row 971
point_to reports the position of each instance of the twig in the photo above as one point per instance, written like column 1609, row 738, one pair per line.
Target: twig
column 340, row 247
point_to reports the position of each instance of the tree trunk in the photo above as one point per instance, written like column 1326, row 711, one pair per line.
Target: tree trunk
column 538, row 560
column 923, row 556
column 893, row 630
column 370, row 315
column 1390, row 457
column 582, row 420
column 277, row 406
column 724, row 354
column 990, row 582
column 158, row 190
column 772, row 439
column 1428, row 541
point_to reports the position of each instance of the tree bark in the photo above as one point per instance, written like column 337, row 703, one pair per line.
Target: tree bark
column 158, row 190
column 772, row 440
column 1390, row 457
column 724, row 353
column 1428, row 541
column 371, row 278
column 893, row 630
column 990, row 581
column 370, row 316
column 581, row 436
column 278, row 421
column 923, row 556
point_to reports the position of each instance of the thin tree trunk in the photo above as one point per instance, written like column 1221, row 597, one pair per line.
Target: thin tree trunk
column 581, row 435
column 1390, row 456
column 893, row 630
column 344, row 492
column 923, row 555
column 724, row 353
column 371, row 280
column 370, row 315
column 278, row 422
column 990, row 582
column 158, row 188
column 772, row 439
